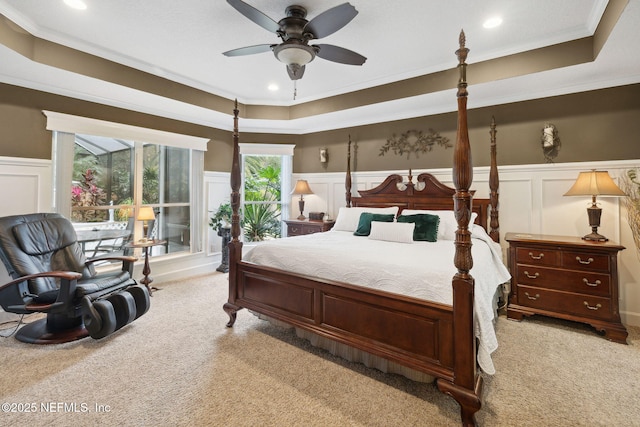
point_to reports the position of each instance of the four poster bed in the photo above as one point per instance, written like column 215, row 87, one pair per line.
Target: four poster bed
column 431, row 331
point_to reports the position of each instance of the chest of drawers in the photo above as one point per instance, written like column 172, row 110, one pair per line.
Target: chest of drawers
column 565, row 277
column 297, row 227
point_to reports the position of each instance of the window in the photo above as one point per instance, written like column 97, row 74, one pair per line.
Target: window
column 262, row 204
column 101, row 182
column 266, row 178
column 103, row 192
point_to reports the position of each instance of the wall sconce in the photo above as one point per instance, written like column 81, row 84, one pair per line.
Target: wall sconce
column 594, row 183
column 145, row 214
column 302, row 188
column 550, row 142
column 324, row 155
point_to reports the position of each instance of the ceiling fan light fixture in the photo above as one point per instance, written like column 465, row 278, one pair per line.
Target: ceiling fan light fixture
column 294, row 54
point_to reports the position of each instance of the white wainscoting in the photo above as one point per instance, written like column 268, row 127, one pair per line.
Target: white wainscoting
column 531, row 201
column 217, row 191
column 25, row 185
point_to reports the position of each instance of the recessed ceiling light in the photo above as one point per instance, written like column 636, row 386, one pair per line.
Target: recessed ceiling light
column 273, row 87
column 76, row 4
column 492, row 22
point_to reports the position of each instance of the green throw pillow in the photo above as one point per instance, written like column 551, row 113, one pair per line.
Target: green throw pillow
column 426, row 226
column 364, row 224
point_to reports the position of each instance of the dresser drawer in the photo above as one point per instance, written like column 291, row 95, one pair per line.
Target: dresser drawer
column 537, row 256
column 584, row 282
column 585, row 261
column 562, row 302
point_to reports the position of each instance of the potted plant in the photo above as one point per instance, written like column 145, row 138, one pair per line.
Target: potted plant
column 221, row 222
column 221, row 219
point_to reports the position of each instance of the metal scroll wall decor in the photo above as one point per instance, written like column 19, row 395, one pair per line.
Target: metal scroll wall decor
column 414, row 142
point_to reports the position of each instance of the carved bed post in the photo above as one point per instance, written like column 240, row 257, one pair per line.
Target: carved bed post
column 347, row 181
column 235, row 245
column 494, row 231
column 467, row 384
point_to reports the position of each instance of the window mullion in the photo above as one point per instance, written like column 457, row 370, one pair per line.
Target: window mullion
column 138, row 171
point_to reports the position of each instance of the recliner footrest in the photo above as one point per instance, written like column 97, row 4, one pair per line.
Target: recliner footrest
column 105, row 316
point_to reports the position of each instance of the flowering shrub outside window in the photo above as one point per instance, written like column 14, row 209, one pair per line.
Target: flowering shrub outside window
column 87, row 194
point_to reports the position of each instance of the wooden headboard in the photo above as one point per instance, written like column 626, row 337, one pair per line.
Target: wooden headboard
column 427, row 193
column 433, row 195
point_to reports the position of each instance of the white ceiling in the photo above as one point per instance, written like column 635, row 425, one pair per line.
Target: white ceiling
column 184, row 40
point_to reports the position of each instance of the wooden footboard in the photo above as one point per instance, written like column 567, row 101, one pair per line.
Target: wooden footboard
column 412, row 332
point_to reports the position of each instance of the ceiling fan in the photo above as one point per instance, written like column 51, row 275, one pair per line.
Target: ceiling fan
column 296, row 32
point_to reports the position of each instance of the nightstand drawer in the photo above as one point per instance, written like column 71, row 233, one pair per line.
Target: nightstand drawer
column 305, row 229
column 583, row 282
column 563, row 302
column 294, row 230
column 302, row 227
column 585, row 261
column 537, row 256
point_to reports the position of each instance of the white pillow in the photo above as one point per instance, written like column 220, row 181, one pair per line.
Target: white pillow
column 348, row 218
column 448, row 224
column 401, row 232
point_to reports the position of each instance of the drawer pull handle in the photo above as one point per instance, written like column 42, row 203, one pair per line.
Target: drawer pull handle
column 597, row 283
column 536, row 297
column 531, row 276
column 536, row 257
column 590, row 307
column 589, row 261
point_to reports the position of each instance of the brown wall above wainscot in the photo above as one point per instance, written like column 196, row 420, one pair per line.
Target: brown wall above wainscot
column 592, row 126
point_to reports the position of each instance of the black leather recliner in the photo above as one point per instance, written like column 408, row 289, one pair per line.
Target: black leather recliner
column 52, row 276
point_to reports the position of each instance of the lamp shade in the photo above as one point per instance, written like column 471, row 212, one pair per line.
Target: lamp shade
column 145, row 214
column 594, row 183
column 302, row 187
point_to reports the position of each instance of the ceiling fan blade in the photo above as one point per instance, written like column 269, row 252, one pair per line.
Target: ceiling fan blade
column 295, row 71
column 331, row 20
column 255, row 15
column 339, row 54
column 248, row 50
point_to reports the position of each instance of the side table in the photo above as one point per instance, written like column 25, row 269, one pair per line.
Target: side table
column 568, row 278
column 146, row 270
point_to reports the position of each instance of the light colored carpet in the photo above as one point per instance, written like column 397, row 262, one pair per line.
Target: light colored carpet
column 179, row 365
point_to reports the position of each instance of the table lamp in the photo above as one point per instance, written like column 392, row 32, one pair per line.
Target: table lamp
column 302, row 188
column 145, row 214
column 594, row 183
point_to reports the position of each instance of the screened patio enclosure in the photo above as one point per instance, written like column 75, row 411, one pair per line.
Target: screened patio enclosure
column 113, row 178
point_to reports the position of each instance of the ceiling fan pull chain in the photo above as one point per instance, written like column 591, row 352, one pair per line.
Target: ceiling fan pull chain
column 295, row 89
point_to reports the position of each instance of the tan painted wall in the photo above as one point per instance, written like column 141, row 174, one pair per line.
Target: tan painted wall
column 597, row 125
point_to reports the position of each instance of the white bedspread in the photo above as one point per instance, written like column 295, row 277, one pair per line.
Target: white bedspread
column 422, row 270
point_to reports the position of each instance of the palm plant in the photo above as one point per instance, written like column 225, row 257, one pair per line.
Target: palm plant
column 631, row 186
column 261, row 221
column 261, row 215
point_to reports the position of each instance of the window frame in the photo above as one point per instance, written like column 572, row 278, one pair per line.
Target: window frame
column 65, row 126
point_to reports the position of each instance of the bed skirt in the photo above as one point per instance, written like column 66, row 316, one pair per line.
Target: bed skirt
column 353, row 354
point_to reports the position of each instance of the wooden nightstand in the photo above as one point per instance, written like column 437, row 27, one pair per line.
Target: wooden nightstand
column 568, row 278
column 296, row 227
